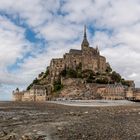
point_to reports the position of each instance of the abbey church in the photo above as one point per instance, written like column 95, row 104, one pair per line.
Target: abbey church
column 88, row 57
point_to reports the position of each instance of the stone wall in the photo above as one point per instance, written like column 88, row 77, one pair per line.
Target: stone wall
column 102, row 64
column 73, row 58
column 71, row 81
column 18, row 96
column 28, row 96
column 130, row 94
column 137, row 94
column 114, row 92
column 56, row 66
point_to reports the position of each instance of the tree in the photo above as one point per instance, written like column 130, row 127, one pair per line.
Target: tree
column 17, row 89
column 71, row 73
column 63, row 73
column 126, row 83
column 29, row 87
column 57, row 86
column 79, row 67
column 88, row 73
column 46, row 73
column 41, row 74
column 108, row 69
column 102, row 80
column 35, row 81
column 115, row 77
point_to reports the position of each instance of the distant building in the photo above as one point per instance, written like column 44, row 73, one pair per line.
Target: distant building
column 17, row 95
column 114, row 92
column 36, row 93
column 133, row 94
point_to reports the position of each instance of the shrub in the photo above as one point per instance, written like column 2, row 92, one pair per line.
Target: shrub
column 46, row 73
column 57, row 86
column 79, row 67
column 40, row 74
column 88, row 73
column 71, row 73
column 29, row 87
column 115, row 77
column 125, row 83
column 108, row 69
column 63, row 73
column 35, row 82
column 102, row 80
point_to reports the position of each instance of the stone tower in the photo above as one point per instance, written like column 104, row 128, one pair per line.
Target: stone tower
column 85, row 43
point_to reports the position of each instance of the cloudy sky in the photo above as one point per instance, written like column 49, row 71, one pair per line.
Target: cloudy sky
column 34, row 31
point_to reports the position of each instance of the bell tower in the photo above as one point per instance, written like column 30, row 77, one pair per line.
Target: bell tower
column 85, row 43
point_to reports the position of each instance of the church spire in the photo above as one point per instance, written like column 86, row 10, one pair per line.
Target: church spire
column 85, row 34
column 85, row 43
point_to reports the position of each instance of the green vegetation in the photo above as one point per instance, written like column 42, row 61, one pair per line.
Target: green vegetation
column 46, row 73
column 125, row 83
column 91, row 76
column 115, row 77
column 103, row 80
column 71, row 73
column 40, row 74
column 35, row 82
column 63, row 73
column 57, row 86
column 108, row 69
column 88, row 74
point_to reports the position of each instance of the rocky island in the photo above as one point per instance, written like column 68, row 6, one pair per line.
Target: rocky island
column 80, row 75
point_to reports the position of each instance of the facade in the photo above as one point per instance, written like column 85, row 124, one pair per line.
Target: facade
column 17, row 95
column 133, row 94
column 114, row 92
column 137, row 94
column 36, row 93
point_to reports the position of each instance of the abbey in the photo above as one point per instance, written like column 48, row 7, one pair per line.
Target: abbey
column 88, row 57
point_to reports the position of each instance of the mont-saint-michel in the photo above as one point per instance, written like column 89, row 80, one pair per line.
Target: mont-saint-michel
column 78, row 97
column 61, row 80
column 80, row 75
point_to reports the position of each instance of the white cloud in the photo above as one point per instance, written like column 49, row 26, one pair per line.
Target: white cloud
column 12, row 41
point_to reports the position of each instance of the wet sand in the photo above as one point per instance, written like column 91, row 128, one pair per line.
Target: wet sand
column 51, row 121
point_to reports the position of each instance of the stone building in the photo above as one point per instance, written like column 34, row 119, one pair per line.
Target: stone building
column 114, row 92
column 133, row 94
column 36, row 93
column 88, row 57
column 17, row 95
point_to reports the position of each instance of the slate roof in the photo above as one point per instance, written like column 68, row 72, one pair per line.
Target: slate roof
column 75, row 51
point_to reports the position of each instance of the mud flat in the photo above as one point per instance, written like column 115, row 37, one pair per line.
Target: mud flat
column 53, row 121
